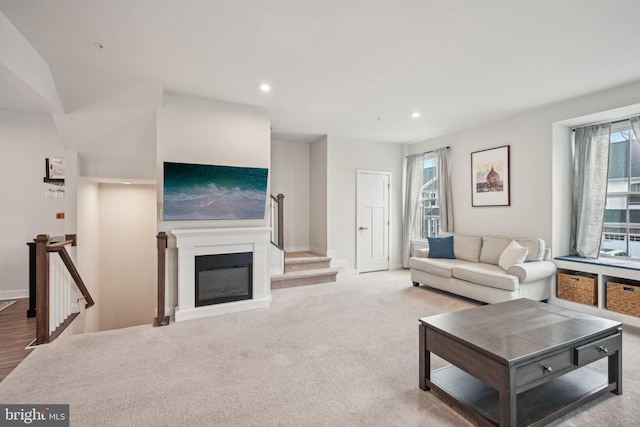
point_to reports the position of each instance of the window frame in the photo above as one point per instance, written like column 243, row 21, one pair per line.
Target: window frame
column 617, row 231
column 429, row 222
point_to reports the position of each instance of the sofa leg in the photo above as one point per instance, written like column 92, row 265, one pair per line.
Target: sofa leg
column 416, row 284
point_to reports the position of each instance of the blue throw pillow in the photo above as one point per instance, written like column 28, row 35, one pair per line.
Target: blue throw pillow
column 441, row 247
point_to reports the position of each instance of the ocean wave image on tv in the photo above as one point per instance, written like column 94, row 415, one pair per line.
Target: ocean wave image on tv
column 204, row 192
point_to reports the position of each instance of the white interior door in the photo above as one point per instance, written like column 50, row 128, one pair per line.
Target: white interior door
column 372, row 241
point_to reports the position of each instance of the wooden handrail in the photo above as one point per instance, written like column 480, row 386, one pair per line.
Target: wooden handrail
column 73, row 271
column 279, row 200
column 54, row 246
column 43, row 247
column 161, row 319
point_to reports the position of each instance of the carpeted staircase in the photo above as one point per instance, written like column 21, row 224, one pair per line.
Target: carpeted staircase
column 304, row 268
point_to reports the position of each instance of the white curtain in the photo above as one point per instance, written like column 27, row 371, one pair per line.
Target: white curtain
column 590, row 168
column 414, row 176
column 445, row 199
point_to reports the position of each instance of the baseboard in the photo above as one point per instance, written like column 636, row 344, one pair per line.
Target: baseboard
column 347, row 272
column 168, row 312
column 17, row 294
column 342, row 264
column 299, row 249
column 332, row 254
column 318, row 251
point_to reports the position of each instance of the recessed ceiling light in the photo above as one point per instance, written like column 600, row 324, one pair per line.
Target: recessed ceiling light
column 415, row 114
column 127, row 182
column 265, row 87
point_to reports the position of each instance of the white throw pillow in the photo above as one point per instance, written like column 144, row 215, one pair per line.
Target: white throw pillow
column 512, row 254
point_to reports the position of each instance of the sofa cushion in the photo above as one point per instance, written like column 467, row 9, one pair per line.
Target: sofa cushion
column 492, row 248
column 536, row 249
column 441, row 267
column 512, row 254
column 467, row 247
column 421, row 252
column 486, row 274
column 441, row 247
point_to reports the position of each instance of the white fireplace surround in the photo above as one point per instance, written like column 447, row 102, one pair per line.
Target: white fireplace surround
column 215, row 241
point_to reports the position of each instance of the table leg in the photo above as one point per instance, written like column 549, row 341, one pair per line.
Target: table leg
column 507, row 392
column 615, row 369
column 424, row 358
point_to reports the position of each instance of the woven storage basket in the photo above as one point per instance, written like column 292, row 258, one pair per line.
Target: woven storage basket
column 581, row 288
column 623, row 298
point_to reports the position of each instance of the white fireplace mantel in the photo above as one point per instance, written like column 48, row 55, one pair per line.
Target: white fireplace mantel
column 214, row 241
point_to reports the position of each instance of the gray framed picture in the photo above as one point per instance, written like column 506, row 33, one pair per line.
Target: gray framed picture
column 490, row 177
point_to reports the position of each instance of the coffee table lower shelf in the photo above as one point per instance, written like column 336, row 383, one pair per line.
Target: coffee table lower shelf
column 535, row 406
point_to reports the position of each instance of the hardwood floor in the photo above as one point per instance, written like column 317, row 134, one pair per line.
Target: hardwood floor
column 16, row 332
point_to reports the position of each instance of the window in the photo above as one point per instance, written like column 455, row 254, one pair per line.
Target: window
column 621, row 232
column 429, row 208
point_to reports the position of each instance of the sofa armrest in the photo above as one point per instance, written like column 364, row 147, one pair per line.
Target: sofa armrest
column 421, row 253
column 532, row 271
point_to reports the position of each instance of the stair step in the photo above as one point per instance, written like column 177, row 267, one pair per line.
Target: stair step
column 306, row 263
column 305, row 277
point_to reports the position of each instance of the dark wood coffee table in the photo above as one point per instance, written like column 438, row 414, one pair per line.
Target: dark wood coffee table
column 519, row 362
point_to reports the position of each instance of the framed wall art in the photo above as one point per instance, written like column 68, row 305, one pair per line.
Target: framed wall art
column 212, row 192
column 55, row 168
column 490, row 177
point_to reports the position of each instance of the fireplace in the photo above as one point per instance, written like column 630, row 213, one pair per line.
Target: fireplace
column 223, row 278
column 224, row 249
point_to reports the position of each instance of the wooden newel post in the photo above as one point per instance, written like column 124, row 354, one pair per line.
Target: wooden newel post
column 281, row 220
column 161, row 320
column 42, row 289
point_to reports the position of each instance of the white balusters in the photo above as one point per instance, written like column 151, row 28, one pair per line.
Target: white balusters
column 62, row 293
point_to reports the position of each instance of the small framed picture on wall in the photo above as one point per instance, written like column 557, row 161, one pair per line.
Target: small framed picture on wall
column 55, row 168
column 490, row 177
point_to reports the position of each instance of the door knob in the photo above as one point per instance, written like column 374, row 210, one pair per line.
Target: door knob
column 363, row 228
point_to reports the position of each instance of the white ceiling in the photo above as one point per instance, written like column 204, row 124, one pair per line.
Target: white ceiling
column 353, row 68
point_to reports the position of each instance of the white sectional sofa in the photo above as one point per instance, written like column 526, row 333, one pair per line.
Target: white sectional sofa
column 488, row 269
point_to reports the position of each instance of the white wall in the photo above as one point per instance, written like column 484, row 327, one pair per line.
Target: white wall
column 529, row 214
column 128, row 262
column 540, row 167
column 290, row 177
column 318, row 196
column 25, row 71
column 26, row 140
column 88, row 250
column 345, row 157
column 114, row 132
column 196, row 130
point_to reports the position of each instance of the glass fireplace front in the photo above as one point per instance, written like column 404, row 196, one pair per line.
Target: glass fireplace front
column 223, row 278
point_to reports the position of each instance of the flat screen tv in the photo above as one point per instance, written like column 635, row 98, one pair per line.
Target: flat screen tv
column 206, row 192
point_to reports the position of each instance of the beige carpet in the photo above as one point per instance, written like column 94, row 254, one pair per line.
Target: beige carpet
column 335, row 354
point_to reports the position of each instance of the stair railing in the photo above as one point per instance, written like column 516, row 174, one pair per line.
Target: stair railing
column 277, row 219
column 56, row 295
column 161, row 319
